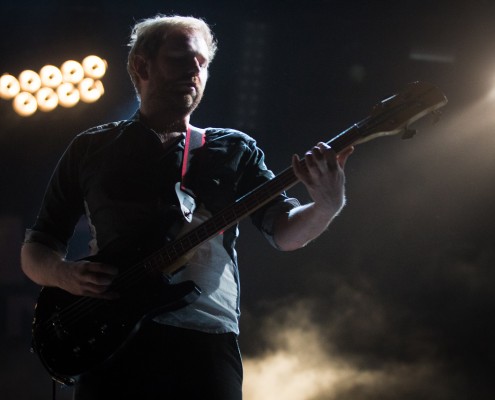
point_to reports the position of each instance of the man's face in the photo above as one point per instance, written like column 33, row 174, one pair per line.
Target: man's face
column 178, row 74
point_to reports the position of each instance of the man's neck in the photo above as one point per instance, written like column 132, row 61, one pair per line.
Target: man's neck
column 163, row 124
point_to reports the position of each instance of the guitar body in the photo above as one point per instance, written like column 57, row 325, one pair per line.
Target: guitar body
column 73, row 335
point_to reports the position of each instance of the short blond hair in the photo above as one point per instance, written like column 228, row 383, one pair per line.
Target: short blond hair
column 148, row 35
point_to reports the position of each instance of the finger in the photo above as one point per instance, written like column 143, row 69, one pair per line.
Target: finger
column 304, row 170
column 101, row 291
column 97, row 273
column 331, row 158
column 296, row 166
column 344, row 155
column 100, row 279
column 102, row 268
column 320, row 159
column 96, row 288
column 101, row 295
column 313, row 160
column 324, row 157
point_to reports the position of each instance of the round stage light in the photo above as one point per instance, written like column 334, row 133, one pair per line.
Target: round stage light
column 94, row 67
column 47, row 99
column 68, row 95
column 25, row 104
column 30, row 81
column 50, row 76
column 90, row 90
column 9, row 86
column 72, row 71
column 52, row 86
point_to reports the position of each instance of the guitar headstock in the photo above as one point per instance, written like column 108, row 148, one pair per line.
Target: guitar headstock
column 396, row 113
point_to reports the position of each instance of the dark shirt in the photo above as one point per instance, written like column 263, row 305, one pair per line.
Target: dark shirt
column 122, row 177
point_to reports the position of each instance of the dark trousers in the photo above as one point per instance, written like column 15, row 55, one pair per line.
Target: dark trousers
column 168, row 363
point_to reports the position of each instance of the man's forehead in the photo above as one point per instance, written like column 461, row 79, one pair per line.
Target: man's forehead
column 183, row 37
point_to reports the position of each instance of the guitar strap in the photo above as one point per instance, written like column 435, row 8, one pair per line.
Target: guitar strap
column 195, row 138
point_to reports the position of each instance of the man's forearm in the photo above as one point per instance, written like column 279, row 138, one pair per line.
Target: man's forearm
column 41, row 264
column 322, row 174
column 301, row 225
column 83, row 278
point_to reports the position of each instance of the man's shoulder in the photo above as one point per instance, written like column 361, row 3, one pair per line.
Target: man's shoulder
column 104, row 128
column 98, row 137
column 228, row 135
column 101, row 135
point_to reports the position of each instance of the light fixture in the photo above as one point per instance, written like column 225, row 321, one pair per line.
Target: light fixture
column 25, row 104
column 68, row 95
column 9, row 86
column 50, row 76
column 54, row 86
column 94, row 67
column 90, row 90
column 72, row 71
column 47, row 99
column 30, row 81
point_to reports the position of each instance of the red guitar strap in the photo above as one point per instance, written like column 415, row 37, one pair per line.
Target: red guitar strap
column 195, row 138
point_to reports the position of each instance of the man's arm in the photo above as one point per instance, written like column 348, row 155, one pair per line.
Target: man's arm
column 46, row 267
column 324, row 179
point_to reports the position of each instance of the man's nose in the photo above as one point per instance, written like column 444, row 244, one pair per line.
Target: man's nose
column 193, row 65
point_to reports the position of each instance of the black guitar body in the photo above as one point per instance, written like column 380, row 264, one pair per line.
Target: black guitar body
column 73, row 335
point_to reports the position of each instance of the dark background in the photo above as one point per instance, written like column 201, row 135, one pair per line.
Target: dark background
column 396, row 300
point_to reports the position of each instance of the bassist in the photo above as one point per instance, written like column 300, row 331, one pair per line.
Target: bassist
column 123, row 177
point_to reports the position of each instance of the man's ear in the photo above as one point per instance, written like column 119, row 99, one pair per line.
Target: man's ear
column 141, row 67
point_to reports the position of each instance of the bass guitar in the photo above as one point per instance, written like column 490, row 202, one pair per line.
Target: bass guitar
column 73, row 335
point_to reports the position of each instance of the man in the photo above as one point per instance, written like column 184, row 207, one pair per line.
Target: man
column 122, row 176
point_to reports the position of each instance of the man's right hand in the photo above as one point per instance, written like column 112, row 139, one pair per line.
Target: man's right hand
column 47, row 267
column 85, row 278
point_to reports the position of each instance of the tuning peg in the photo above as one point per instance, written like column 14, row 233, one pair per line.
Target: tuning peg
column 408, row 133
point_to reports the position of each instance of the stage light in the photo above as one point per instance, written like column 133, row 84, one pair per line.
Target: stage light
column 30, row 81
column 66, row 86
column 50, row 76
column 72, row 72
column 68, row 95
column 94, row 67
column 25, row 104
column 9, row 87
column 47, row 99
column 90, row 90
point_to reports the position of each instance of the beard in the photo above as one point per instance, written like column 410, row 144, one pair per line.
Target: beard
column 176, row 99
column 188, row 102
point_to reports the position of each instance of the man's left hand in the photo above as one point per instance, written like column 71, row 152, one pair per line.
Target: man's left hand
column 323, row 175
